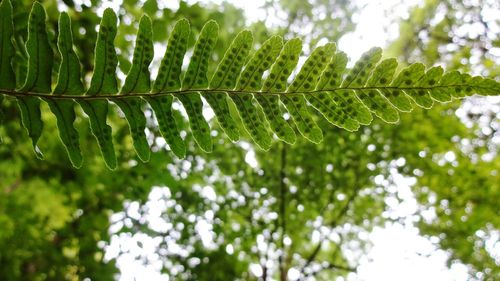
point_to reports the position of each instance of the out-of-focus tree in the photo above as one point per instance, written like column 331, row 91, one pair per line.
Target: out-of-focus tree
column 300, row 211
column 312, row 20
column 55, row 219
column 460, row 35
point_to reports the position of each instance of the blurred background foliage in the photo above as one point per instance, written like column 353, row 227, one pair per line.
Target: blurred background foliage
column 300, row 208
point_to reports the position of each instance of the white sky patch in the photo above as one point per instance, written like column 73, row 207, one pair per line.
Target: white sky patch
column 375, row 26
column 204, row 230
column 400, row 253
column 208, row 192
column 208, row 112
column 256, row 269
column 250, row 159
column 133, row 270
column 229, row 249
column 253, row 9
column 115, row 5
column 293, row 274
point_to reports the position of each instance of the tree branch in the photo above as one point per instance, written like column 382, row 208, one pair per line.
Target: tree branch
column 333, row 223
column 330, row 266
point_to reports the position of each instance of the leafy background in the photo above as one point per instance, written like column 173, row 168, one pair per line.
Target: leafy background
column 303, row 211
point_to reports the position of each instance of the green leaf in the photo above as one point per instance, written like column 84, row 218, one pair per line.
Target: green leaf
column 459, row 91
column 270, row 105
column 7, row 78
column 196, row 74
column 328, row 102
column 229, row 68
column 276, row 81
column 39, row 52
column 168, row 79
column 373, row 98
column 38, row 79
column 132, row 109
column 105, row 61
column 218, row 103
column 406, row 77
column 2, row 117
column 225, row 77
column 283, row 66
column 138, row 81
column 457, row 85
column 97, row 111
column 68, row 83
column 199, row 126
column 69, row 75
column 162, row 106
column 422, row 96
column 251, row 114
column 65, row 114
column 356, row 78
column 444, row 94
column 303, row 82
column 196, row 78
column 251, row 79
column 169, row 73
column 103, row 82
column 482, row 86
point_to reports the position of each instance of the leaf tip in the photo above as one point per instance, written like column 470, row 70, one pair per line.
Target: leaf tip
column 77, row 163
column 109, row 17
column 38, row 152
column 145, row 20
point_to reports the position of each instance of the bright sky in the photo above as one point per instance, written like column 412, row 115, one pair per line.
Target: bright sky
column 398, row 252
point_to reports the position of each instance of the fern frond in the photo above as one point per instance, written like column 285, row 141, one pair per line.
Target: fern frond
column 257, row 85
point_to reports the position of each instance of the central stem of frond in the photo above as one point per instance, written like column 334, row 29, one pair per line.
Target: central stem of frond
column 16, row 93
